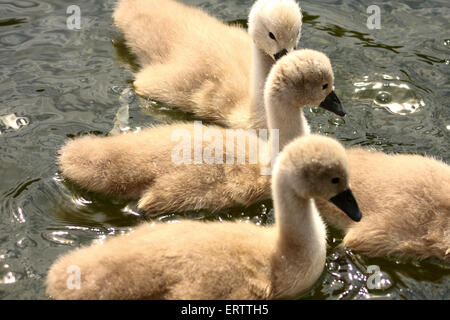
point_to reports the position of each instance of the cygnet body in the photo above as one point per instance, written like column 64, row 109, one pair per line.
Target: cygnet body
column 406, row 205
column 141, row 165
column 405, row 198
column 195, row 62
column 197, row 260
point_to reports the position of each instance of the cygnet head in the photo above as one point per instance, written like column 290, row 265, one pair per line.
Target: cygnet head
column 275, row 26
column 303, row 78
column 317, row 167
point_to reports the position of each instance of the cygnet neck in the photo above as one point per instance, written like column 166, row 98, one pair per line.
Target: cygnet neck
column 297, row 219
column 288, row 119
column 300, row 248
column 261, row 66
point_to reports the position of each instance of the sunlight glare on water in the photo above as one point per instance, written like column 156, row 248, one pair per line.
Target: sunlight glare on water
column 11, row 121
column 397, row 98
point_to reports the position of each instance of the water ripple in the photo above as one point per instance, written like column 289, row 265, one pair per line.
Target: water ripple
column 12, row 22
column 14, row 39
column 396, row 97
column 22, row 4
column 60, row 237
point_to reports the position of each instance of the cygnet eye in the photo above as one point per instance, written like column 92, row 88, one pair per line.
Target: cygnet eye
column 325, row 86
column 272, row 36
column 335, row 181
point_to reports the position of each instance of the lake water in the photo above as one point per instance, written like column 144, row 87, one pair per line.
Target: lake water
column 57, row 83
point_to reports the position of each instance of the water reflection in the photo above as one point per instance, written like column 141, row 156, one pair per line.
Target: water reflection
column 344, row 279
column 60, row 237
column 8, row 278
column 11, row 22
column 81, row 202
column 19, row 216
column 384, row 94
column 391, row 94
column 365, row 38
column 11, row 121
column 26, row 242
column 121, row 121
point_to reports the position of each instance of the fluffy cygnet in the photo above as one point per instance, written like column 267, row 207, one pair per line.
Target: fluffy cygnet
column 197, row 260
column 141, row 165
column 195, row 62
column 406, row 205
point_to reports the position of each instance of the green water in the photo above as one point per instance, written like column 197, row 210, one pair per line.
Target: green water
column 60, row 83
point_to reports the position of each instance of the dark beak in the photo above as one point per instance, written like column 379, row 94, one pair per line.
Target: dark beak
column 332, row 103
column 347, row 203
column 280, row 54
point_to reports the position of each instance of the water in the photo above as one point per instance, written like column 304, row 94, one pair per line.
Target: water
column 56, row 84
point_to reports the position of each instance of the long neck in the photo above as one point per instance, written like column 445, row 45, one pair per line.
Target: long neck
column 285, row 126
column 300, row 248
column 297, row 219
column 290, row 122
column 261, row 66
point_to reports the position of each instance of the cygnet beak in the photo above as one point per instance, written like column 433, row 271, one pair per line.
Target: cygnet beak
column 347, row 203
column 280, row 54
column 333, row 104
